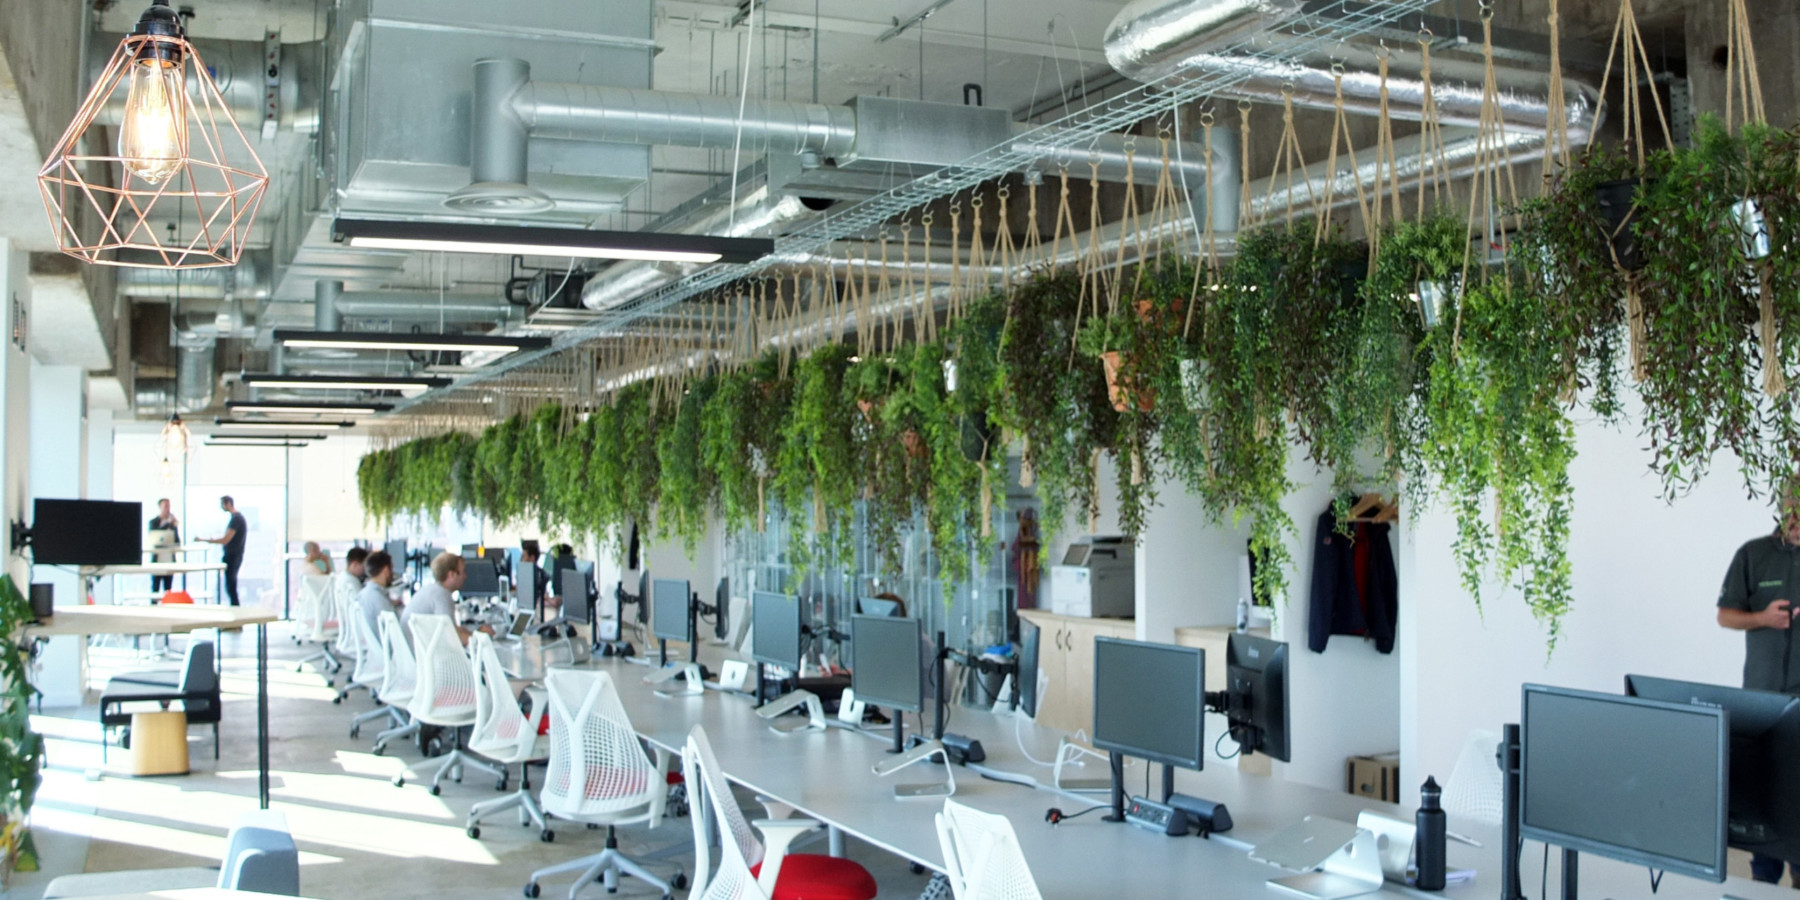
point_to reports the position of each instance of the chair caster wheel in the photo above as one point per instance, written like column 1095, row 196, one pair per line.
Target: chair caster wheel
column 592, row 827
column 916, row 868
column 531, row 890
column 354, row 731
column 547, row 836
column 336, row 700
column 434, row 790
column 399, row 781
column 474, row 832
column 125, row 738
column 379, row 750
column 679, row 882
column 500, row 785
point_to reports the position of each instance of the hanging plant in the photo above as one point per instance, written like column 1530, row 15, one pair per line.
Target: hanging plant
column 818, row 459
column 740, row 433
column 504, row 498
column 895, row 482
column 1058, row 406
column 688, row 486
column 635, row 424
column 1499, row 432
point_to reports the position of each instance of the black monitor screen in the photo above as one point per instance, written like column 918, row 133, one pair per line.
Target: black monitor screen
column 669, row 609
column 775, row 629
column 480, row 579
column 1149, row 701
column 1635, row 780
column 87, row 533
column 573, row 590
column 884, row 662
column 1257, row 695
column 1027, row 678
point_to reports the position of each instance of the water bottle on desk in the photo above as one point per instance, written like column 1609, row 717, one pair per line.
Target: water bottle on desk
column 1243, row 615
column 1430, row 842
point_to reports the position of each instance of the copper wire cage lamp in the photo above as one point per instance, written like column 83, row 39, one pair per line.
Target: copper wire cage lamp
column 180, row 158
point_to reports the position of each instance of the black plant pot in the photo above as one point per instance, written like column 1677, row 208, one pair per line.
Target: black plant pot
column 1615, row 200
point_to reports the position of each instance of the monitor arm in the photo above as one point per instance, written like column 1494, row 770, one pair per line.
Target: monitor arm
column 624, row 598
column 21, row 536
column 1247, row 735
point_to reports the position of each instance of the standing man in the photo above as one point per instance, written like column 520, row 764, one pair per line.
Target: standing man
column 1757, row 599
column 233, row 541
column 164, row 520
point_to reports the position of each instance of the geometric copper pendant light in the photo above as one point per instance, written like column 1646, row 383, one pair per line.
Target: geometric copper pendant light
column 179, row 160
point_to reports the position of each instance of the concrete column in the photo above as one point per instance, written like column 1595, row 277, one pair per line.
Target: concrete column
column 15, row 406
column 57, row 443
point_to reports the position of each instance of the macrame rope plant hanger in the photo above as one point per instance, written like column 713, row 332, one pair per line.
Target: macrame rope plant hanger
column 1744, row 101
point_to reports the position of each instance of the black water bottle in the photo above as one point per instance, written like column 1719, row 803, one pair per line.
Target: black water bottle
column 1430, row 842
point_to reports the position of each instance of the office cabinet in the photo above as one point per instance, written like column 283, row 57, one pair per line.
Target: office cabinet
column 1066, row 657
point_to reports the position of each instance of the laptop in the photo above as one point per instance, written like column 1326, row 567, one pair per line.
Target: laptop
column 521, row 624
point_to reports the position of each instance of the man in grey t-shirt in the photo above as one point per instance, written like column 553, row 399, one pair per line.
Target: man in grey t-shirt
column 373, row 598
column 433, row 599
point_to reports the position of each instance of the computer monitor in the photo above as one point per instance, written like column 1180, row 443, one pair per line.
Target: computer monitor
column 1025, row 682
column 875, row 606
column 1763, row 815
column 497, row 556
column 525, row 586
column 643, row 595
column 671, row 613
column 1640, row 781
column 775, row 629
column 480, row 578
column 396, row 551
column 722, row 609
column 577, row 606
column 884, row 662
column 1149, row 701
column 87, row 533
column 1257, row 695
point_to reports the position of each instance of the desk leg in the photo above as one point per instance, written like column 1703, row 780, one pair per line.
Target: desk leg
column 835, row 841
column 262, row 714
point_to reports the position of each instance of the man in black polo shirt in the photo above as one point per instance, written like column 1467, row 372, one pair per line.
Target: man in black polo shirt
column 236, row 532
column 1757, row 599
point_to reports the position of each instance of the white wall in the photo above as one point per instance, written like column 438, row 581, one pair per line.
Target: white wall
column 56, row 445
column 15, row 381
column 1646, row 578
column 322, row 501
column 1187, row 567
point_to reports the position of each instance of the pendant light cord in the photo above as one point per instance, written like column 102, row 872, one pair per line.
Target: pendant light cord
column 737, row 140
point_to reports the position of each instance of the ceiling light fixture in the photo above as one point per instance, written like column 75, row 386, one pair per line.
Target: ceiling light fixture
column 179, row 145
column 381, row 340
column 345, row 382
column 505, row 240
column 244, row 443
column 248, row 439
column 277, row 426
column 301, row 408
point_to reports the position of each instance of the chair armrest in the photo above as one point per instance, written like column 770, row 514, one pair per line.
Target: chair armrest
column 777, row 834
column 540, row 709
column 774, row 808
column 659, row 795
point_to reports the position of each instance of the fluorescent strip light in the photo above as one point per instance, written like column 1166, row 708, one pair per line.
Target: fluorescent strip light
column 344, row 382
column 264, row 444
column 277, row 426
column 504, row 240
column 440, row 343
column 306, row 409
column 264, row 438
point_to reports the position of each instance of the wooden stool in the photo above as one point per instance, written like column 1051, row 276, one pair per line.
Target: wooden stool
column 159, row 743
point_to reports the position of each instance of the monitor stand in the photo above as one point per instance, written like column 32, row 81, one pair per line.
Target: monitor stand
column 775, row 711
column 926, row 750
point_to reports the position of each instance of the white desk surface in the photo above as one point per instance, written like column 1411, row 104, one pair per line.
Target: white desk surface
column 153, row 568
column 175, row 618
column 827, row 777
column 209, row 893
column 182, row 548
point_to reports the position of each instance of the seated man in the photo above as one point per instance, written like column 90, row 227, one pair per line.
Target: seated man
column 373, row 598
column 355, row 564
column 433, row 599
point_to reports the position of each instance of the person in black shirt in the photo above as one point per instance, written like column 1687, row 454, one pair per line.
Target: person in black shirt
column 164, row 521
column 233, row 541
column 1757, row 598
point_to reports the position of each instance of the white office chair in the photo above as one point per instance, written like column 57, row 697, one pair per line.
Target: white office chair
column 397, row 683
column 1476, row 792
column 808, row 874
column 982, row 856
column 733, row 879
column 504, row 734
column 318, row 622
column 444, row 695
column 599, row 775
column 351, row 636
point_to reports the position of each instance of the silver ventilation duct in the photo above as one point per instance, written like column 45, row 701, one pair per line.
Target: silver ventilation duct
column 325, row 300
column 249, row 280
column 241, row 71
column 1151, row 40
column 584, row 112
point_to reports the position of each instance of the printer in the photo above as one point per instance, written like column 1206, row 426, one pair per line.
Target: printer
column 1096, row 579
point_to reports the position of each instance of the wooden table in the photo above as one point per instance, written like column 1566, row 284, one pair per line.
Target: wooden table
column 86, row 621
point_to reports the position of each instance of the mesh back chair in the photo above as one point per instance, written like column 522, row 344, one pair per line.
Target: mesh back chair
column 982, row 856
column 733, row 879
column 351, row 633
column 779, row 875
column 397, row 680
column 197, row 691
column 444, row 695
column 504, row 734
column 318, row 621
column 599, row 775
column 1475, row 791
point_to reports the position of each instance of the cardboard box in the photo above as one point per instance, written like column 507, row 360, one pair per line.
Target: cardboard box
column 1376, row 777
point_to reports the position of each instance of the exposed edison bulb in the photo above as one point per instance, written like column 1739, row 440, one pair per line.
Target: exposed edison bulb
column 168, row 471
column 153, row 139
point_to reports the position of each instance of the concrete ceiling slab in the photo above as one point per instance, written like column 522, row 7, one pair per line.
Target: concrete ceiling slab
column 22, row 216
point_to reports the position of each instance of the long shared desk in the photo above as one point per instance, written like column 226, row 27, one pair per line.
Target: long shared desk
column 826, row 776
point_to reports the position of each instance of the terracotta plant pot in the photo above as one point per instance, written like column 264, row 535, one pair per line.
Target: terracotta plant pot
column 914, row 444
column 1123, row 394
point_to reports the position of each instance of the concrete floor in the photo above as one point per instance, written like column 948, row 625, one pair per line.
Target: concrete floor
column 359, row 836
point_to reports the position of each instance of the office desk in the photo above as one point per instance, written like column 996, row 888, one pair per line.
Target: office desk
column 826, row 776
column 211, row 893
column 85, row 621
column 152, row 568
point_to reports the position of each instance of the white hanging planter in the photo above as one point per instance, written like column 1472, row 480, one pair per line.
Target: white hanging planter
column 1755, row 229
column 949, row 376
column 1193, row 383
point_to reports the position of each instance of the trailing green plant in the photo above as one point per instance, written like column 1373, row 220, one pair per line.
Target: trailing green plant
column 634, row 426
column 740, row 438
column 501, row 496
column 895, row 481
column 818, row 459
column 21, row 748
column 1049, row 397
column 1499, row 432
column 688, row 487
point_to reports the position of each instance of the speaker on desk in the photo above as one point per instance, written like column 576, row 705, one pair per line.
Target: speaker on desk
column 43, row 600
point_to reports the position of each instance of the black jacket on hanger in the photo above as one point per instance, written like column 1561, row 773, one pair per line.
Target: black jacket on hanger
column 1354, row 586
